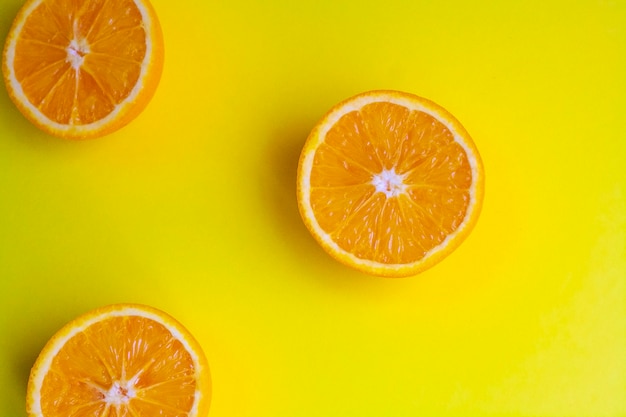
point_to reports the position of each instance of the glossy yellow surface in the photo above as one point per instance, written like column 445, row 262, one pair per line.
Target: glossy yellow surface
column 191, row 208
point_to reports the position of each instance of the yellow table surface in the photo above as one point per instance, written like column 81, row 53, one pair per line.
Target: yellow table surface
column 191, row 208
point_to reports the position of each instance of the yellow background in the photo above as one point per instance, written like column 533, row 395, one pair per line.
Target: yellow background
column 191, row 209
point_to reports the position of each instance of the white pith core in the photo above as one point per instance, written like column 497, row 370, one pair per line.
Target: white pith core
column 389, row 183
column 121, row 392
column 76, row 51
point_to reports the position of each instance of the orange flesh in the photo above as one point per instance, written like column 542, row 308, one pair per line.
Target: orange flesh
column 121, row 366
column 415, row 214
column 77, row 60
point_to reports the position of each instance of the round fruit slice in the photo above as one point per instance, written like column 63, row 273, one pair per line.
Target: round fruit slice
column 82, row 69
column 120, row 360
column 389, row 183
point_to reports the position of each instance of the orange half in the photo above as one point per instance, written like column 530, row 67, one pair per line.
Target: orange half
column 120, row 360
column 389, row 183
column 82, row 69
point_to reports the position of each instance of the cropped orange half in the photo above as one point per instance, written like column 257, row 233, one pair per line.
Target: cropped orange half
column 389, row 183
column 82, row 69
column 120, row 360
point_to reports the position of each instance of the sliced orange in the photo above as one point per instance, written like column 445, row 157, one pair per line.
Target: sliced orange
column 83, row 69
column 120, row 360
column 389, row 183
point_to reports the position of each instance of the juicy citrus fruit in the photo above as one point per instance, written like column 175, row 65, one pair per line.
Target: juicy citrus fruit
column 389, row 183
column 120, row 360
column 81, row 69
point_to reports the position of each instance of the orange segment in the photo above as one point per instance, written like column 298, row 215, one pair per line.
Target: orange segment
column 120, row 360
column 83, row 69
column 389, row 183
